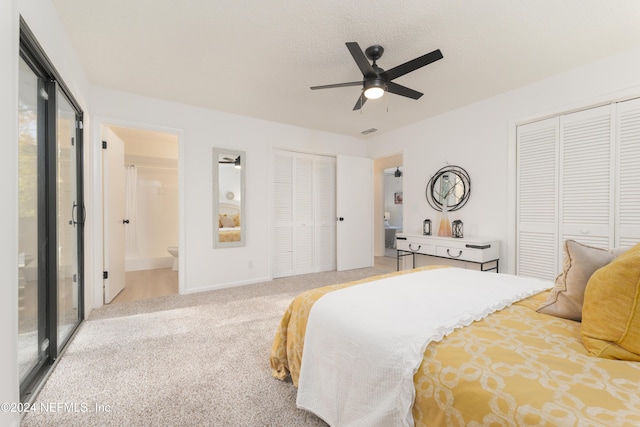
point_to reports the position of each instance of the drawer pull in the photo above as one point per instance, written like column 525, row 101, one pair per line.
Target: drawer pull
column 414, row 250
column 478, row 246
column 454, row 256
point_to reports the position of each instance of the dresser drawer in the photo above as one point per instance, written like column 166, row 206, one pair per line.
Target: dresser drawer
column 413, row 246
column 462, row 254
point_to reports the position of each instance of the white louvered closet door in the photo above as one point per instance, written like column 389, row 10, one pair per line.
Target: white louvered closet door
column 325, row 213
column 283, row 215
column 586, row 167
column 303, row 215
column 628, row 190
column 537, row 145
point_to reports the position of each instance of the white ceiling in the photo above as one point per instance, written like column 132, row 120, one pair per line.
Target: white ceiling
column 258, row 58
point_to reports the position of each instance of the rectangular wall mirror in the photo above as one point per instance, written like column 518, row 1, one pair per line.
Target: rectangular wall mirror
column 229, row 226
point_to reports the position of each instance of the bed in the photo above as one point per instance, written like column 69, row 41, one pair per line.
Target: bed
column 517, row 366
column 229, row 222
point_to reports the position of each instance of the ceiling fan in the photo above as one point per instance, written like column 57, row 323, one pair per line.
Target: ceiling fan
column 229, row 160
column 377, row 81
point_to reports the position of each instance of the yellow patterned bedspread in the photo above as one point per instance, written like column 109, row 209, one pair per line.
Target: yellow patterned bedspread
column 516, row 367
column 229, row 235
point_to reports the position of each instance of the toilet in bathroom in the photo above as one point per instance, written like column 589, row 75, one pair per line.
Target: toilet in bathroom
column 173, row 250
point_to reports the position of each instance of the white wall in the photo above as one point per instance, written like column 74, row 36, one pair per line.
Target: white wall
column 201, row 266
column 481, row 138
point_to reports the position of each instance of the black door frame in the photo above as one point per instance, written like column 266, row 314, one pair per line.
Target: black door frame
column 50, row 81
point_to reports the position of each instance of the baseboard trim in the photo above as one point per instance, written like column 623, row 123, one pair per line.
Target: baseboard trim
column 148, row 263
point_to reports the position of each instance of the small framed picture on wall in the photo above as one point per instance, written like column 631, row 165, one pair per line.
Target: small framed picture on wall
column 397, row 198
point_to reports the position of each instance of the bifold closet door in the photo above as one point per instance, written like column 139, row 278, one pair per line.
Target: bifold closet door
column 628, row 183
column 283, row 214
column 537, row 189
column 586, row 190
column 304, row 209
column 325, row 214
column 303, row 215
column 578, row 178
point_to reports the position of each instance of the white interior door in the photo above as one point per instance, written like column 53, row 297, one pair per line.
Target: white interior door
column 354, row 209
column 113, row 182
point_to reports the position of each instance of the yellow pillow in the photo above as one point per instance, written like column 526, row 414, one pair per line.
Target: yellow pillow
column 611, row 312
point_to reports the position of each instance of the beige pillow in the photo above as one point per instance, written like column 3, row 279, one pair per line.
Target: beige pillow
column 611, row 316
column 567, row 296
column 227, row 221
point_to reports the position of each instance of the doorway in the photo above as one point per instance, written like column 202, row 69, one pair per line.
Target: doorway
column 388, row 205
column 141, row 213
column 393, row 213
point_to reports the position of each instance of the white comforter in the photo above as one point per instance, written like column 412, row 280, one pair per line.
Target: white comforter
column 363, row 344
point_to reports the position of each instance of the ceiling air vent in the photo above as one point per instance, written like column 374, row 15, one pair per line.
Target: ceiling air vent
column 368, row 131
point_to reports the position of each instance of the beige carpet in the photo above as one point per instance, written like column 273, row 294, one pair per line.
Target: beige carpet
column 193, row 360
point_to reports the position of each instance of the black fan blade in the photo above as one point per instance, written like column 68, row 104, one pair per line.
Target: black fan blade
column 337, row 85
column 412, row 65
column 403, row 90
column 361, row 59
column 361, row 100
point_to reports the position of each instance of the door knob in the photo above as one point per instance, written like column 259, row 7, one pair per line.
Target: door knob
column 125, row 221
column 341, row 219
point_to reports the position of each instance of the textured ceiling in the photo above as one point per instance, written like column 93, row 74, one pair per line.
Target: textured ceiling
column 258, row 58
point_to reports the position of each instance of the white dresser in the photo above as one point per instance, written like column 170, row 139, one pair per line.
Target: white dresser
column 482, row 251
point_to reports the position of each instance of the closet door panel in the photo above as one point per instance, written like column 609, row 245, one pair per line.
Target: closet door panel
column 303, row 214
column 283, row 212
column 628, row 183
column 325, row 213
column 586, row 195
column 537, row 176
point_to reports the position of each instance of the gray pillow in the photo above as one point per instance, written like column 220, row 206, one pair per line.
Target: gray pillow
column 567, row 296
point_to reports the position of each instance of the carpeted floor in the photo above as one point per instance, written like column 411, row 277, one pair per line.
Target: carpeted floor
column 192, row 360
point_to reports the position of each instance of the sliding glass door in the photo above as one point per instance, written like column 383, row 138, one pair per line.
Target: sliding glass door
column 51, row 215
column 30, row 300
column 67, row 219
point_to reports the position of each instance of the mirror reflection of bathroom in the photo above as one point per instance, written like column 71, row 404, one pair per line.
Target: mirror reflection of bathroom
column 145, row 228
column 393, row 199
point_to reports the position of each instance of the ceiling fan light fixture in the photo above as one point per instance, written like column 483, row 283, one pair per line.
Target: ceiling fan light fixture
column 374, row 89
